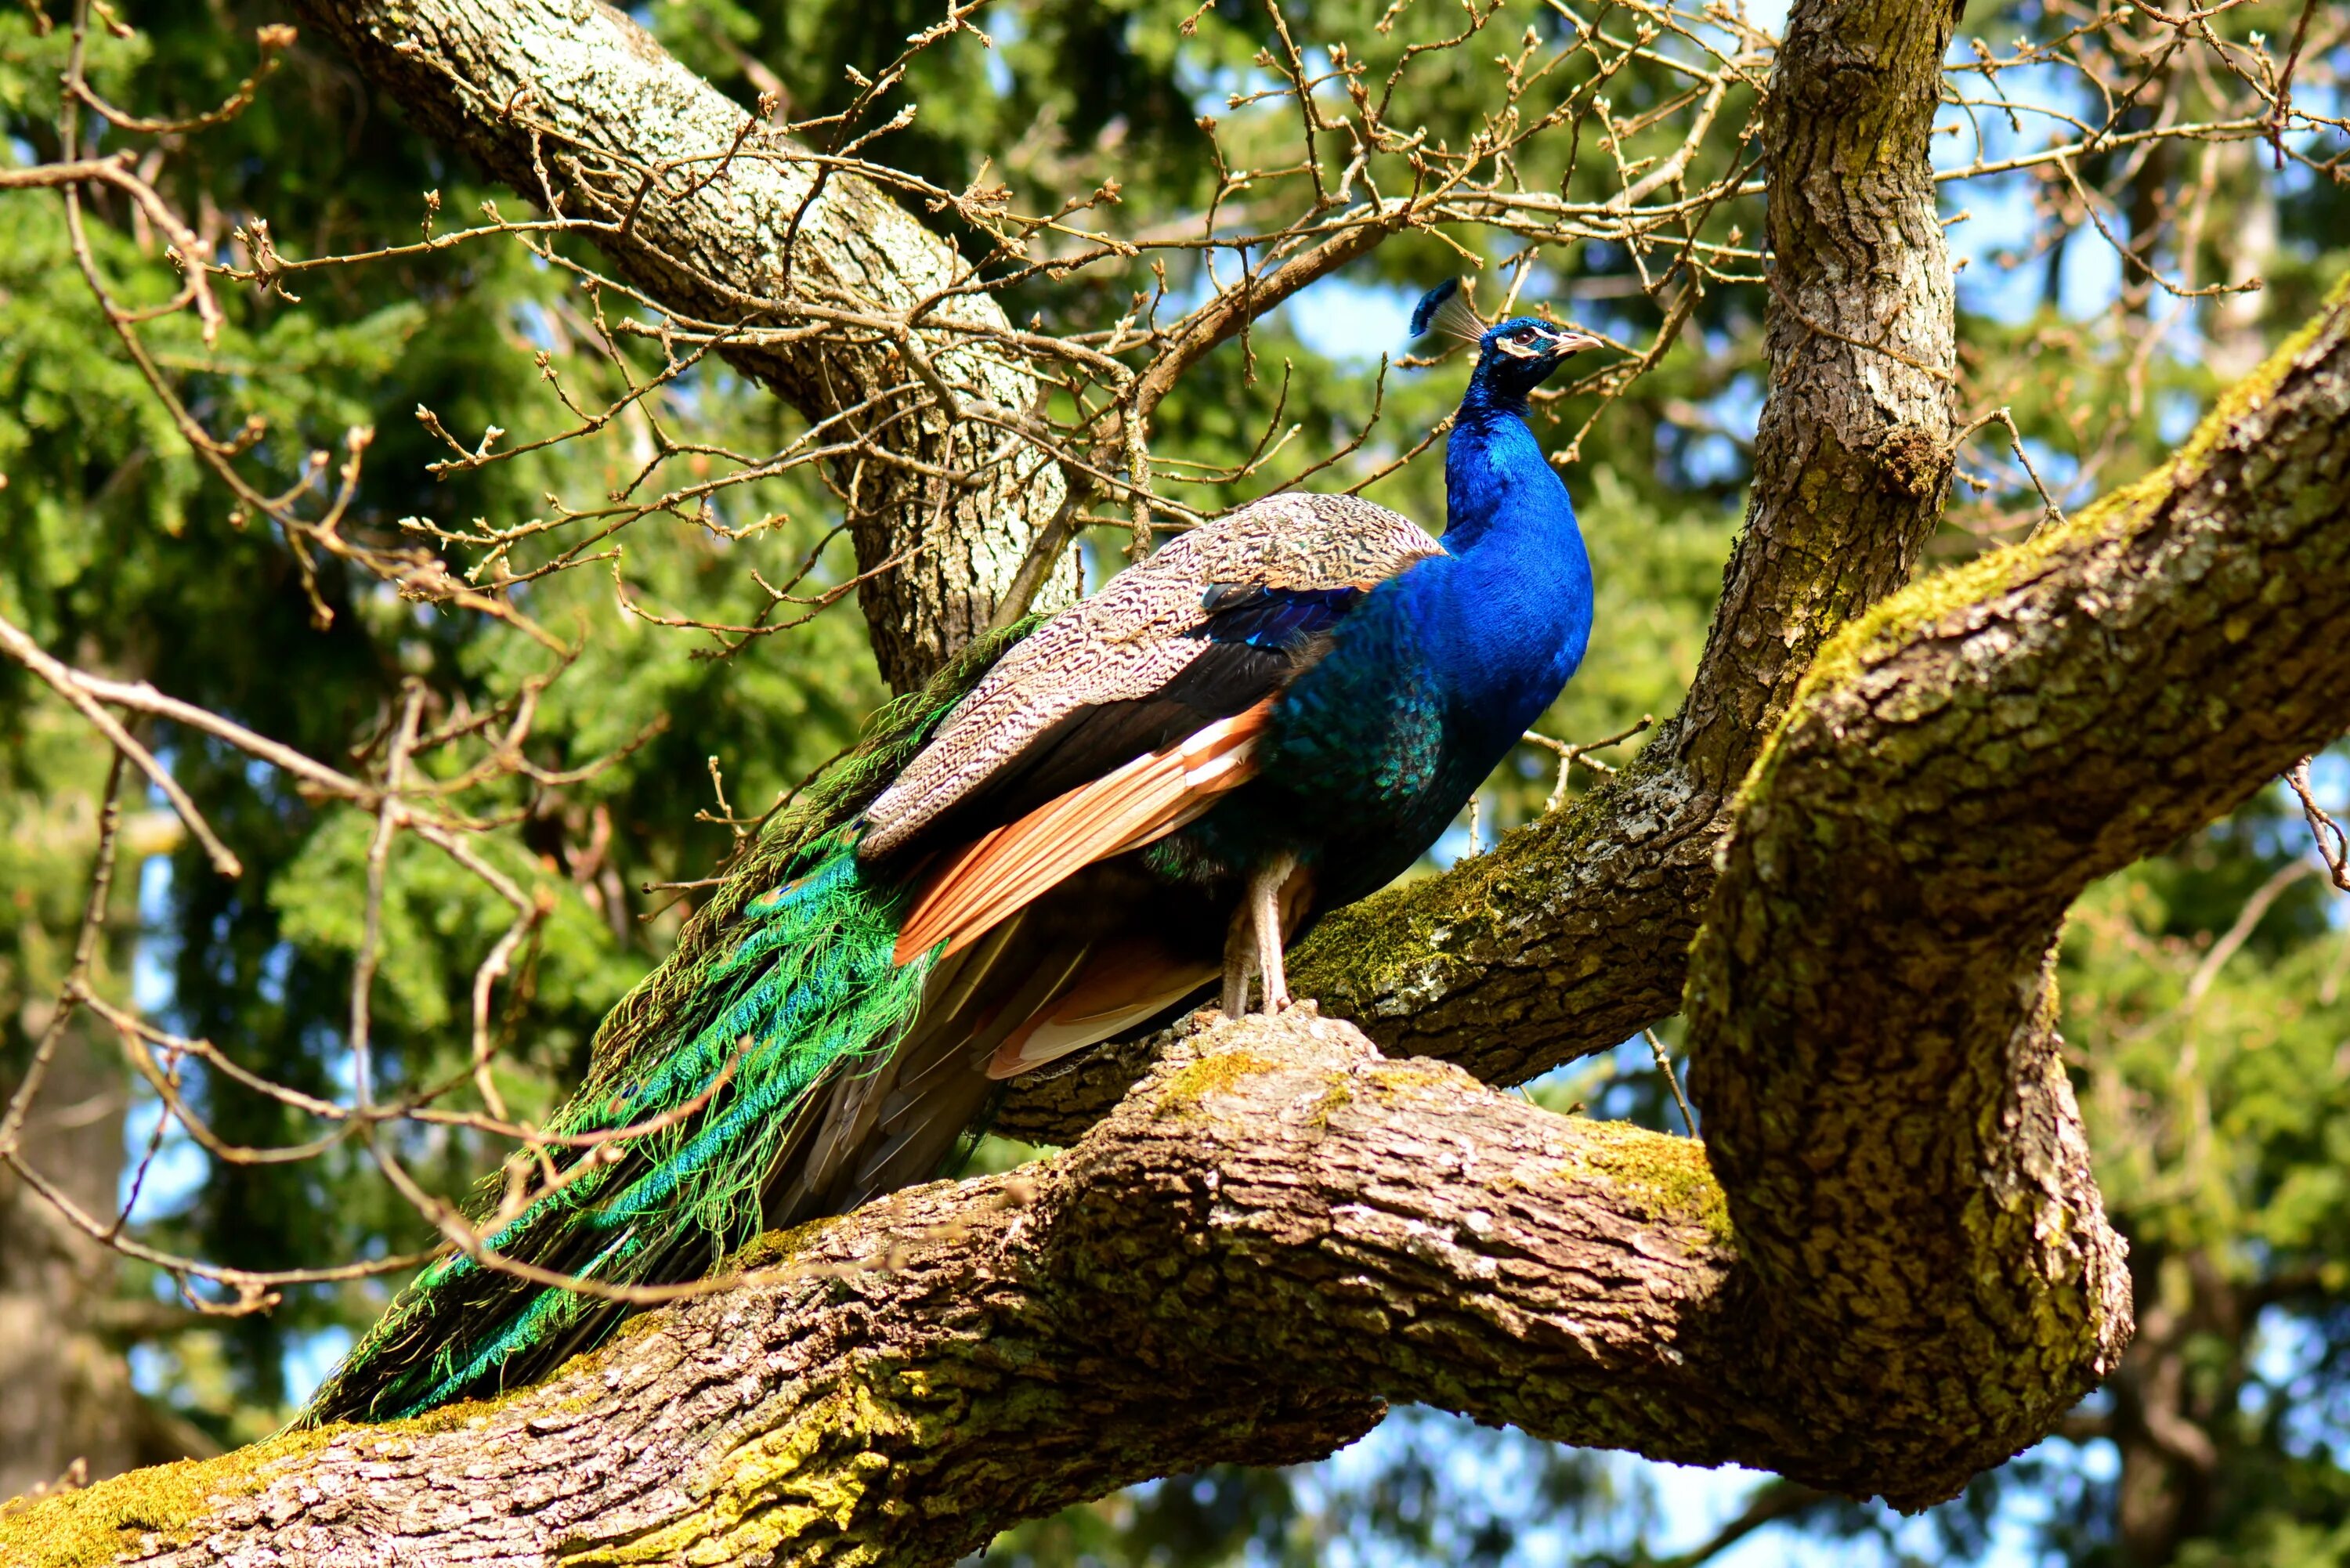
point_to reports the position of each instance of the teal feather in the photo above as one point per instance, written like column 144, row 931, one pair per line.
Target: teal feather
column 785, row 977
column 814, row 987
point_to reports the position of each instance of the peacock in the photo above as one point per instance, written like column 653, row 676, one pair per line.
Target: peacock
column 1081, row 826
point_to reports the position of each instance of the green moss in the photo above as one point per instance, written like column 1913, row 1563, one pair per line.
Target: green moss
column 1389, row 1078
column 823, row 1470
column 1216, row 1075
column 1337, row 1091
column 777, row 1246
column 1668, row 1178
column 1366, row 950
column 99, row 1523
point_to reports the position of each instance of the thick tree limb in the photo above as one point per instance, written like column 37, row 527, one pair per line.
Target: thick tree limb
column 1957, row 768
column 1262, row 1241
column 574, row 106
column 1905, row 1275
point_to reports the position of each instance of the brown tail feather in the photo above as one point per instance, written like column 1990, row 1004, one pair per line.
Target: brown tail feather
column 1121, row 984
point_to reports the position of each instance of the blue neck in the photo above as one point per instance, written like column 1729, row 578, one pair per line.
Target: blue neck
column 1498, row 482
column 1505, row 614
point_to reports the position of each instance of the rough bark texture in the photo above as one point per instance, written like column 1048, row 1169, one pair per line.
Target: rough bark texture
column 1956, row 769
column 1279, row 1229
column 573, row 105
column 1903, row 1275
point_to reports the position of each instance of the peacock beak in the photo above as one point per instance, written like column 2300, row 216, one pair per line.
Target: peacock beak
column 1559, row 342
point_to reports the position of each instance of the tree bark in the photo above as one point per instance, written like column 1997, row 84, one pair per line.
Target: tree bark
column 1280, row 1229
column 2173, row 1397
column 1903, row 1274
column 1958, row 767
column 574, row 106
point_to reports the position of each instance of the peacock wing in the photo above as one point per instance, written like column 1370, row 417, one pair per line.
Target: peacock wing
column 1215, row 622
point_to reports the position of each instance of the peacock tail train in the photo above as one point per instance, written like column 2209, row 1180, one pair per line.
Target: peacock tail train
column 786, row 975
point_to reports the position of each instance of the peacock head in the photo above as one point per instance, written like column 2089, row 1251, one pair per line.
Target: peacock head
column 1513, row 357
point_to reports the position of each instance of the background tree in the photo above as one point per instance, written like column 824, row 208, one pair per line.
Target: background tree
column 1601, row 173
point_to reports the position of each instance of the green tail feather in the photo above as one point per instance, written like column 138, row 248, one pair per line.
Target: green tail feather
column 786, row 973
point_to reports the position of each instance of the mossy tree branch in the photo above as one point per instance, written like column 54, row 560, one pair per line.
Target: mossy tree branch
column 1956, row 767
column 1279, row 1230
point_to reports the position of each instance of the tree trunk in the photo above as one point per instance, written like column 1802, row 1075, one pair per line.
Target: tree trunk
column 2170, row 1393
column 69, row 1410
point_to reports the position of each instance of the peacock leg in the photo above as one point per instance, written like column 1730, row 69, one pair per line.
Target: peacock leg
column 1265, row 914
column 1240, row 963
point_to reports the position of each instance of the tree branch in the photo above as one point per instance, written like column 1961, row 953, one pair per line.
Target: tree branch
column 1957, row 768
column 1279, row 1229
column 724, row 222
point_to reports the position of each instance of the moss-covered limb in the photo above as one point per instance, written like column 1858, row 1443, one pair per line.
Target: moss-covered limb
column 570, row 103
column 1874, row 1024
column 889, row 1389
column 1280, row 1229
